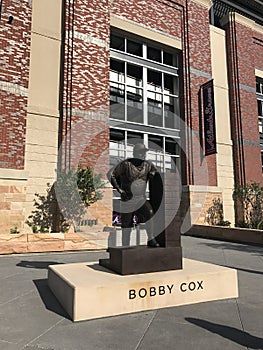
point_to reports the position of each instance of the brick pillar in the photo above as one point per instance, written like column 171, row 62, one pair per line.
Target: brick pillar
column 243, row 104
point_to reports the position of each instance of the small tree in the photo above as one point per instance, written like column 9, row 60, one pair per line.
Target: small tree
column 72, row 193
column 76, row 190
column 42, row 217
column 89, row 185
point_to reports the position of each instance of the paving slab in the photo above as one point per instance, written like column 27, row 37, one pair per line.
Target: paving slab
column 32, row 319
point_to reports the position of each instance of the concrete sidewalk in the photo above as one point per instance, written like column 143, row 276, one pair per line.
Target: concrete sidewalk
column 32, row 319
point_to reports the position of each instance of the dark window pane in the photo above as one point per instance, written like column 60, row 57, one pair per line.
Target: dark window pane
column 258, row 86
column 169, row 59
column 117, row 135
column 171, row 112
column 134, row 75
column 117, row 42
column 170, row 146
column 155, row 110
column 117, row 69
column 134, row 105
column 117, row 101
column 154, row 54
column 134, row 48
column 154, row 80
column 260, row 111
column 134, row 137
column 117, row 66
column 170, row 84
column 117, row 141
column 155, row 142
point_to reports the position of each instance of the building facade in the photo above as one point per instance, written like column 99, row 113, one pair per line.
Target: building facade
column 82, row 82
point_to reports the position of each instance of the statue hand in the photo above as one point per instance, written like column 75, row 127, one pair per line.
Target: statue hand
column 124, row 196
column 151, row 175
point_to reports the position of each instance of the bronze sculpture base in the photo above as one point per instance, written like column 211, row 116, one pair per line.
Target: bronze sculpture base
column 141, row 259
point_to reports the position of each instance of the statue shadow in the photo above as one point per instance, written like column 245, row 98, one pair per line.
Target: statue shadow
column 50, row 301
column 256, row 250
column 236, row 335
column 36, row 264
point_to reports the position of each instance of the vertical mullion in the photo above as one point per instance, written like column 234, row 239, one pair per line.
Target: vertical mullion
column 125, row 91
column 145, row 102
column 125, row 144
column 164, row 152
column 163, row 99
column 144, row 86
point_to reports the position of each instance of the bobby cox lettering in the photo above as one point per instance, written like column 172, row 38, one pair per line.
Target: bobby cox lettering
column 165, row 289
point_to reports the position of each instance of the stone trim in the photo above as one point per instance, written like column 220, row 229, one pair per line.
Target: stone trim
column 258, row 28
column 200, row 73
column 201, row 188
column 247, row 88
column 148, row 33
column 259, row 73
column 43, row 111
column 13, row 88
column 206, row 3
column 91, row 39
column 244, row 21
column 13, row 174
column 100, row 115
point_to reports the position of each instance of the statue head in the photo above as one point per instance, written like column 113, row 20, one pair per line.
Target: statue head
column 139, row 151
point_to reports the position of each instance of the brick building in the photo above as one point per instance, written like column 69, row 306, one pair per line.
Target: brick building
column 81, row 81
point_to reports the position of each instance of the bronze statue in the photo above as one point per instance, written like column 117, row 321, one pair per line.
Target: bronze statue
column 130, row 179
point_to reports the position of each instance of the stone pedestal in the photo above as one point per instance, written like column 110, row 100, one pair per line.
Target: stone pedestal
column 88, row 290
column 141, row 259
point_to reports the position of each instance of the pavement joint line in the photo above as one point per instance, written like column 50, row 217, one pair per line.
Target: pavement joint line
column 17, row 255
column 14, row 274
column 8, row 342
column 240, row 319
column 40, row 335
column 19, row 296
column 146, row 329
column 224, row 255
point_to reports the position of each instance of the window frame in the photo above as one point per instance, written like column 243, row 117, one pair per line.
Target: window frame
column 146, row 64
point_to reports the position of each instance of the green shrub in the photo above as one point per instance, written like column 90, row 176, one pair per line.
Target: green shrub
column 14, row 230
column 215, row 214
column 249, row 197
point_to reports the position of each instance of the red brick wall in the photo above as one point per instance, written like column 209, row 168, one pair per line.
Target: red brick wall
column 14, row 68
column 86, row 80
column 199, row 61
column 164, row 16
column 258, row 49
column 243, row 105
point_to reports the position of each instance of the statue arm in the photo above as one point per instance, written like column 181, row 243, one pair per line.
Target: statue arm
column 113, row 178
column 152, row 172
column 114, row 182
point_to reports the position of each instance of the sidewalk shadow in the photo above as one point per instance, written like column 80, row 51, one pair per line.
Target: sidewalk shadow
column 36, row 264
column 231, row 333
column 245, row 270
column 257, row 250
column 48, row 298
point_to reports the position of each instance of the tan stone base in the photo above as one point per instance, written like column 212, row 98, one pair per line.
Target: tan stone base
column 87, row 290
column 52, row 242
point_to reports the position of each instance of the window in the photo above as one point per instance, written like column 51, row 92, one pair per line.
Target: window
column 259, row 90
column 163, row 150
column 144, row 82
column 144, row 100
